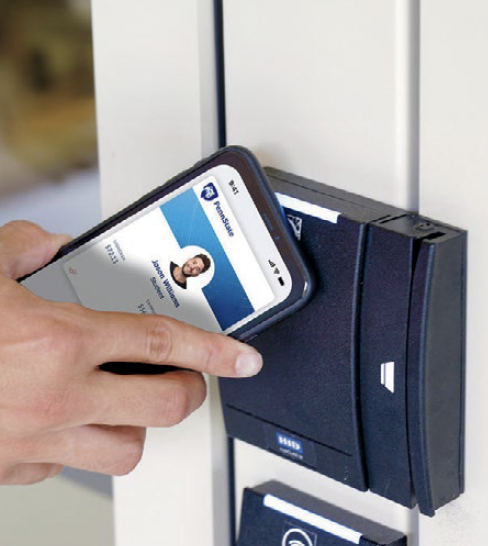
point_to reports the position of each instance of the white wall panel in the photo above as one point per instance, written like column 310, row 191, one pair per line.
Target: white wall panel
column 155, row 92
column 326, row 90
column 156, row 105
column 454, row 187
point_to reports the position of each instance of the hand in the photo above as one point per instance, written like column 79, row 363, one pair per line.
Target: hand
column 57, row 407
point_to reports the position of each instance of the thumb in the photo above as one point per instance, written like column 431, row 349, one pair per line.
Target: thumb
column 25, row 247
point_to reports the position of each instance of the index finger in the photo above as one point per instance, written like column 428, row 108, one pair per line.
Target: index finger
column 154, row 339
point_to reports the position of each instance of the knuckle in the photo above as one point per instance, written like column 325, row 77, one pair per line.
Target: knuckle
column 176, row 407
column 130, row 453
column 23, row 227
column 201, row 386
column 213, row 355
column 159, row 344
column 177, row 403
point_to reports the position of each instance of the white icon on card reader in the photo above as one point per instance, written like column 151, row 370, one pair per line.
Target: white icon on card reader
column 296, row 537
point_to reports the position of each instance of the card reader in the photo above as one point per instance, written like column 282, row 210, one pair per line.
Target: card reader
column 366, row 383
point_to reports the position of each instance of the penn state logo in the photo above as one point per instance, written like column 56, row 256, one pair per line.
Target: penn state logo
column 209, row 192
column 297, row 537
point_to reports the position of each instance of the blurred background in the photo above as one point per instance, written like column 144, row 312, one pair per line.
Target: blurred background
column 48, row 174
column 47, row 115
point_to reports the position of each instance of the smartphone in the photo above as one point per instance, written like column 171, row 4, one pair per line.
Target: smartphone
column 211, row 247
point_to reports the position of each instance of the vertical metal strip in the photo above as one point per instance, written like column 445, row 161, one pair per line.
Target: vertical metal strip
column 232, row 492
column 220, row 70
column 222, row 140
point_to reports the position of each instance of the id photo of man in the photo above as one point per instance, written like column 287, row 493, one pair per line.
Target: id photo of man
column 193, row 267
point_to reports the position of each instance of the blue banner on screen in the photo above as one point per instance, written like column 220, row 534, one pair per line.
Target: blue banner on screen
column 191, row 227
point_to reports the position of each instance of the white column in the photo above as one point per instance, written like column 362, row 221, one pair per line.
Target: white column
column 454, row 187
column 155, row 88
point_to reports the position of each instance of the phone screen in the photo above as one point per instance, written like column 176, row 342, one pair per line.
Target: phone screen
column 201, row 254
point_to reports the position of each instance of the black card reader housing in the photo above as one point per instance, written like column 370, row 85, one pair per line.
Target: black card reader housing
column 274, row 514
column 366, row 383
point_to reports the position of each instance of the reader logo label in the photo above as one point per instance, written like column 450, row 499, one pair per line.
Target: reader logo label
column 288, row 443
column 298, row 537
column 209, row 192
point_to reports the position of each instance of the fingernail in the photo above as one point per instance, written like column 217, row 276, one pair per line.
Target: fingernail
column 248, row 364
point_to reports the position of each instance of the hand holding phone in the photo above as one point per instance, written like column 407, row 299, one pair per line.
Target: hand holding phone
column 58, row 407
column 209, row 248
